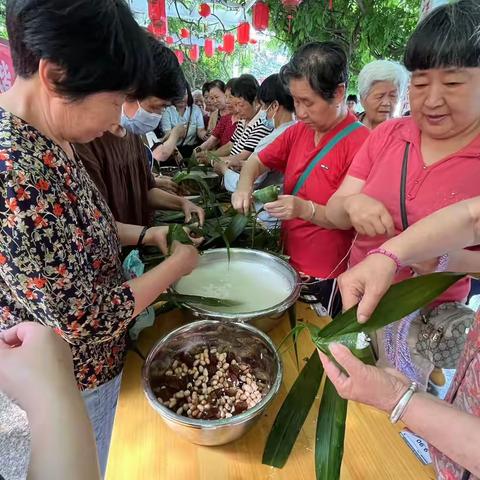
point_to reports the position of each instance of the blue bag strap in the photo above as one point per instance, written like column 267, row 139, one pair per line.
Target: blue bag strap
column 324, row 152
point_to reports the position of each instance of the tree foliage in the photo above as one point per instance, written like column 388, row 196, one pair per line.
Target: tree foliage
column 368, row 29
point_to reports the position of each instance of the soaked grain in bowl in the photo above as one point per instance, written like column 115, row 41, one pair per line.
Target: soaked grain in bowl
column 208, row 384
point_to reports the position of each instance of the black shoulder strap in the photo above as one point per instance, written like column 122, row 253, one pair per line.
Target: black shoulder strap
column 403, row 187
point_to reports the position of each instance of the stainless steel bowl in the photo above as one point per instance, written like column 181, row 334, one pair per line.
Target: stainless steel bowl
column 264, row 319
column 247, row 343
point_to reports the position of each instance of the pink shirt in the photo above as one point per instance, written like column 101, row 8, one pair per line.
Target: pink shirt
column 428, row 188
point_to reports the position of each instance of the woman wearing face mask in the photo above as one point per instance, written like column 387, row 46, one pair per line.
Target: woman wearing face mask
column 117, row 162
column 277, row 103
column 313, row 155
column 60, row 245
column 413, row 166
column 382, row 85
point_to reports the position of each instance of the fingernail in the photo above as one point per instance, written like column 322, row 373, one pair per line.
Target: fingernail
column 362, row 318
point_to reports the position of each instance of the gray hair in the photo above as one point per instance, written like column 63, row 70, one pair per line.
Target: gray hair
column 383, row 71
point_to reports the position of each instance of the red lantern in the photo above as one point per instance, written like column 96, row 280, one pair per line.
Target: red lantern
column 253, row 41
column 209, row 47
column 157, row 12
column 204, row 10
column 194, row 53
column 243, row 33
column 169, row 40
column 229, row 43
column 184, row 32
column 180, row 56
column 260, row 16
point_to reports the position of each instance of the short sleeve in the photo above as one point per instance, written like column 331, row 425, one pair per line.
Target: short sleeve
column 198, row 117
column 365, row 157
column 238, row 132
column 167, row 120
column 257, row 134
column 275, row 156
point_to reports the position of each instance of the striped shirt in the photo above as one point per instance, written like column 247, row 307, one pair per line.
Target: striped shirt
column 248, row 135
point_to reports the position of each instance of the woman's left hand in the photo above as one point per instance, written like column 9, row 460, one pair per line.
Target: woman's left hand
column 380, row 388
column 189, row 208
column 288, row 207
column 220, row 167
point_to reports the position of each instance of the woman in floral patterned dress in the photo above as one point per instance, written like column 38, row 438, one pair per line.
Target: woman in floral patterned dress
column 59, row 245
column 452, row 432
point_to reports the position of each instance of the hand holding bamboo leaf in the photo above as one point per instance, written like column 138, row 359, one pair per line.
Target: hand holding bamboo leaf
column 289, row 207
column 380, row 388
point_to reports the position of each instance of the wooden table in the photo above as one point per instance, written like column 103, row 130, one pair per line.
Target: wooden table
column 143, row 448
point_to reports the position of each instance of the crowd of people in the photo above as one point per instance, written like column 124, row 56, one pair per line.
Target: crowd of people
column 376, row 188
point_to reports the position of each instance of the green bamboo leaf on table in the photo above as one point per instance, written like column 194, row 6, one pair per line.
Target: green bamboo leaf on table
column 401, row 300
column 292, row 413
column 330, row 434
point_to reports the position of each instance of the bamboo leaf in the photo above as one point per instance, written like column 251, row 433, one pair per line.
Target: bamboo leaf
column 292, row 317
column 400, row 300
column 293, row 413
column 200, row 300
column 236, row 227
column 330, row 434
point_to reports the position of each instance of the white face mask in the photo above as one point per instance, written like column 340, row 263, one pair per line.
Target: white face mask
column 142, row 122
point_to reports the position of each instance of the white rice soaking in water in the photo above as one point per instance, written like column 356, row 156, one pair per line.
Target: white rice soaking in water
column 255, row 286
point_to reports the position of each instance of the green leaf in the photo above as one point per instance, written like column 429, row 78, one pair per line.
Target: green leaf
column 330, row 434
column 176, row 233
column 236, row 227
column 292, row 317
column 293, row 413
column 400, row 300
column 199, row 300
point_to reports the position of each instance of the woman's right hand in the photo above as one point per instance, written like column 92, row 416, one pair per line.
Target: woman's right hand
column 187, row 256
column 369, row 216
column 242, row 200
column 366, row 283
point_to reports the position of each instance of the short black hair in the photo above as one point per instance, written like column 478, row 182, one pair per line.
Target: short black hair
column 448, row 36
column 352, row 98
column 205, row 88
column 323, row 64
column 217, row 84
column 98, row 44
column 230, row 83
column 167, row 81
column 271, row 89
column 246, row 87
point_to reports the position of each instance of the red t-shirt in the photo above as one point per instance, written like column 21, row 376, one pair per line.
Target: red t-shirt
column 428, row 188
column 314, row 250
column 225, row 129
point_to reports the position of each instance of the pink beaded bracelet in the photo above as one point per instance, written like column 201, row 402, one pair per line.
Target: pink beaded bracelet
column 388, row 254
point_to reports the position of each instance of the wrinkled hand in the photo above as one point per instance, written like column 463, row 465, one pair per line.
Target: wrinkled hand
column 187, row 255
column 167, row 184
column 288, row 207
column 35, row 366
column 242, row 201
column 380, row 388
column 369, row 216
column 189, row 208
column 366, row 283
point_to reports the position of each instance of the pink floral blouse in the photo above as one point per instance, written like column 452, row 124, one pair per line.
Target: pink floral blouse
column 464, row 393
column 59, row 252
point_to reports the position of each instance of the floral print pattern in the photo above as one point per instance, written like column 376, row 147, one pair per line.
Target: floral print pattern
column 464, row 393
column 60, row 252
